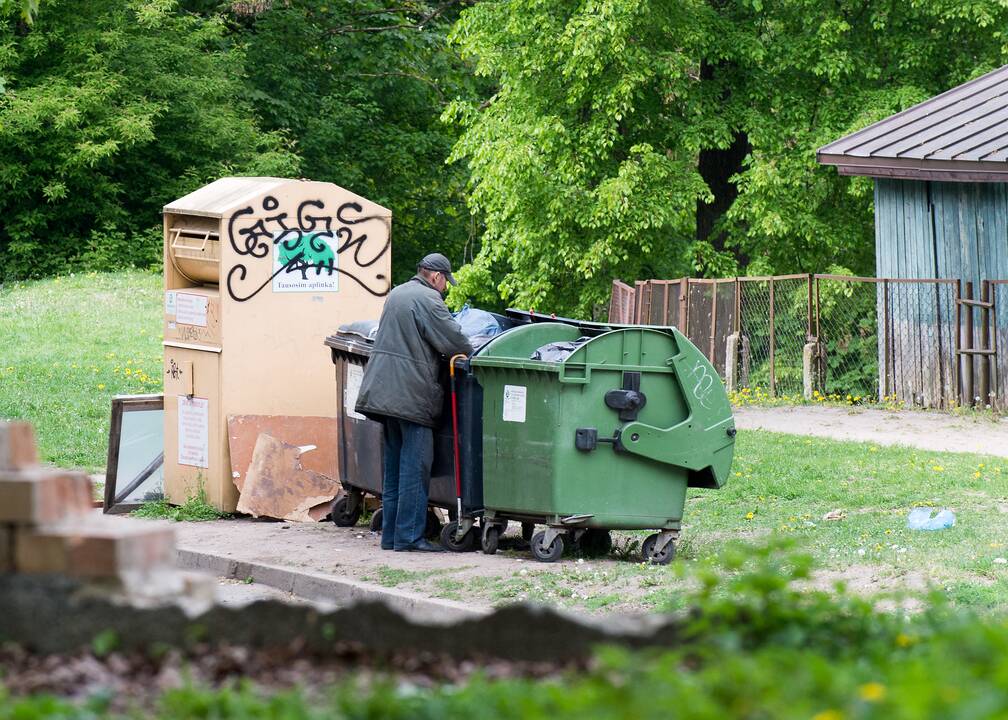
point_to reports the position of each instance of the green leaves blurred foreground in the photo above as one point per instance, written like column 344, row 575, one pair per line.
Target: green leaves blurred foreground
column 754, row 645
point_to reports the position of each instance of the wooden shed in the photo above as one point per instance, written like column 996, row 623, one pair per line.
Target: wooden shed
column 941, row 212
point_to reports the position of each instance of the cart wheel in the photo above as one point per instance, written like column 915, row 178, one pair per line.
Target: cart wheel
column 547, row 554
column 595, row 542
column 467, row 543
column 491, row 536
column 528, row 530
column 433, row 529
column 664, row 557
column 376, row 521
column 342, row 514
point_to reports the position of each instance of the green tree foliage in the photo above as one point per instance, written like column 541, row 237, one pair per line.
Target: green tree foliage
column 585, row 160
column 110, row 110
column 360, row 85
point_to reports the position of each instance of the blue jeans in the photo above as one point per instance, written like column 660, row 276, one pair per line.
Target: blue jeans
column 409, row 452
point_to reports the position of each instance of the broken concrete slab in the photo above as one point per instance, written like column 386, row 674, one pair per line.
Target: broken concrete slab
column 33, row 610
column 322, row 432
column 278, row 486
column 6, row 548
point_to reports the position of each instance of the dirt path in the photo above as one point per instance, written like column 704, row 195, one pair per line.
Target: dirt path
column 927, row 430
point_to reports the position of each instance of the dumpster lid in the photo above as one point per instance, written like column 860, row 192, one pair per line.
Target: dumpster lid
column 587, row 328
column 349, row 342
column 215, row 199
column 223, row 197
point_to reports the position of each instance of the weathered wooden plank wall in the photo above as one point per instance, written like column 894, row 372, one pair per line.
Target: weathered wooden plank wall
column 941, row 230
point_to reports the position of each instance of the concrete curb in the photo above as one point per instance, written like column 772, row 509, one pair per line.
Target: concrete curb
column 331, row 589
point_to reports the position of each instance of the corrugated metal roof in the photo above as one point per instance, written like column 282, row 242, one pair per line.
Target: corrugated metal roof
column 960, row 135
column 220, row 196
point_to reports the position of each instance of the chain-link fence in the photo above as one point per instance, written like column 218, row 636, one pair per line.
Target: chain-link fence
column 773, row 329
column 836, row 337
column 921, row 344
column 846, row 312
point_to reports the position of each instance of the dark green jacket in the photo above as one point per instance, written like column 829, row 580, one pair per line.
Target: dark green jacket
column 415, row 331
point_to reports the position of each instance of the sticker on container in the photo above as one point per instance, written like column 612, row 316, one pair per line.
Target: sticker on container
column 304, row 262
column 193, row 431
column 191, row 309
column 169, row 302
column 514, row 403
column 354, row 376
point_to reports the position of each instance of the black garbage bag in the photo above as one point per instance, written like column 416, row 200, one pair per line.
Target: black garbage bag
column 557, row 351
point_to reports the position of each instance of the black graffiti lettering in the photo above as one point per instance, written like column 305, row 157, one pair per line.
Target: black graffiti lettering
column 314, row 228
column 308, row 223
column 173, row 371
column 316, row 243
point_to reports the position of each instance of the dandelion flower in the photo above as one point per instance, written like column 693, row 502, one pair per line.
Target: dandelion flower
column 872, row 692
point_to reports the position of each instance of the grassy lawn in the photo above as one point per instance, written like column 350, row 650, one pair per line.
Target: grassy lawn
column 786, row 484
column 67, row 346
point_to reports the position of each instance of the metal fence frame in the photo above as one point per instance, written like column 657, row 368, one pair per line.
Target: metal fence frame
column 942, row 354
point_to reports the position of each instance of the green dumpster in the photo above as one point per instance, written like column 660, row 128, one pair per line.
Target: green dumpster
column 609, row 437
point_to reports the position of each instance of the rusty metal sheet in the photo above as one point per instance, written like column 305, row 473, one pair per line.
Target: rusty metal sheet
column 322, row 432
column 278, row 486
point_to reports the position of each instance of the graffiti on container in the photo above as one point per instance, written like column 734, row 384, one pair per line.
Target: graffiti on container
column 173, row 371
column 309, row 245
column 704, row 384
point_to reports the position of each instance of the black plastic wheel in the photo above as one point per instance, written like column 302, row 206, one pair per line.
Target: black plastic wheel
column 547, row 554
column 528, row 530
column 433, row 529
column 344, row 513
column 595, row 542
column 491, row 536
column 376, row 521
column 666, row 556
column 467, row 543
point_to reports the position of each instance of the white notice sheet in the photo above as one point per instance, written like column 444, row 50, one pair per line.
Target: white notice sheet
column 191, row 309
column 514, row 403
column 193, row 431
column 354, row 375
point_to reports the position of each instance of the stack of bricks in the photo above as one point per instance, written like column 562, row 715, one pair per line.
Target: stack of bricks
column 48, row 525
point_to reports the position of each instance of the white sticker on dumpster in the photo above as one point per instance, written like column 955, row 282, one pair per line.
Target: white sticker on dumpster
column 514, row 403
column 354, row 375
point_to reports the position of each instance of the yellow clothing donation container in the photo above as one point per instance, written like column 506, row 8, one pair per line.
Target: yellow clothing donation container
column 258, row 271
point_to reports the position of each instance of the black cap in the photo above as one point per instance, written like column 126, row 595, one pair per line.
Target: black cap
column 438, row 263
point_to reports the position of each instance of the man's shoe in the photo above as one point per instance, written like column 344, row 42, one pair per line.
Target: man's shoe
column 421, row 546
column 387, row 547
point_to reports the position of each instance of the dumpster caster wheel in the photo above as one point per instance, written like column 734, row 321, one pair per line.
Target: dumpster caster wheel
column 664, row 557
column 376, row 521
column 433, row 529
column 491, row 536
column 543, row 553
column 345, row 513
column 528, row 530
column 466, row 544
column 595, row 542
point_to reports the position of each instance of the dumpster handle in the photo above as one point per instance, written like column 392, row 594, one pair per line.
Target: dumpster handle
column 455, row 434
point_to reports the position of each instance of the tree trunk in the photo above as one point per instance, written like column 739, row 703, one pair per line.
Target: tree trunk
column 716, row 166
